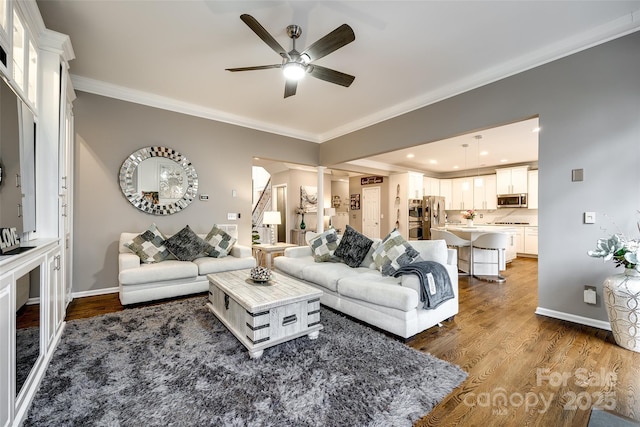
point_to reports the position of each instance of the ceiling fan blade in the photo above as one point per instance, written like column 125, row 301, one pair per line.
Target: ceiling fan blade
column 258, row 67
column 331, row 76
column 264, row 34
column 290, row 87
column 333, row 41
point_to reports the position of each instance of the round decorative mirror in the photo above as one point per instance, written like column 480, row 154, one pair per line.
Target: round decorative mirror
column 158, row 180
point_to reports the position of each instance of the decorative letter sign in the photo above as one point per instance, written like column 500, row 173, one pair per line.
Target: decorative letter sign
column 9, row 240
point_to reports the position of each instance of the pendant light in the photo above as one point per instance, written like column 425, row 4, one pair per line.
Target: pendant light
column 478, row 182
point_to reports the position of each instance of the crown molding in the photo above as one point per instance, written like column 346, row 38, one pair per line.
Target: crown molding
column 614, row 29
column 98, row 87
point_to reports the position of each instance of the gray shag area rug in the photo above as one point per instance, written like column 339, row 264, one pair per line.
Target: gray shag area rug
column 175, row 364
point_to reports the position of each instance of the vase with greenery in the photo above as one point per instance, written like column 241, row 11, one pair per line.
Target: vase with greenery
column 301, row 211
column 622, row 291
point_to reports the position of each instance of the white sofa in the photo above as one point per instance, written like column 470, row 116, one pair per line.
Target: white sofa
column 389, row 303
column 140, row 282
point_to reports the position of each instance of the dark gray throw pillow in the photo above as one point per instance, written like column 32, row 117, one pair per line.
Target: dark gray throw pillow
column 353, row 247
column 186, row 245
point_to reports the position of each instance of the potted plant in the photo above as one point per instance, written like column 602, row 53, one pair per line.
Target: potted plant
column 622, row 291
column 469, row 215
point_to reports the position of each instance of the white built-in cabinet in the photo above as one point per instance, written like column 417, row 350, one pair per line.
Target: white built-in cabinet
column 512, row 180
column 462, row 193
column 484, row 192
column 532, row 196
column 7, row 358
column 36, row 68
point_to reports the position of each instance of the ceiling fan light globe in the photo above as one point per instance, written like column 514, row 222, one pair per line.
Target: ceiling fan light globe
column 294, row 71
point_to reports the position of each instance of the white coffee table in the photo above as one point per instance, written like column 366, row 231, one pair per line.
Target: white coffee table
column 263, row 315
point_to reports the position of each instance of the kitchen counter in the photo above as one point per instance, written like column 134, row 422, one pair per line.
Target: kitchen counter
column 482, row 257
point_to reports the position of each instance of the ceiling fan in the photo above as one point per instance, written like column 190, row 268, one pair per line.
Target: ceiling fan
column 296, row 65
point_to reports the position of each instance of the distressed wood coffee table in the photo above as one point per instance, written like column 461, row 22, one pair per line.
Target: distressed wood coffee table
column 263, row 315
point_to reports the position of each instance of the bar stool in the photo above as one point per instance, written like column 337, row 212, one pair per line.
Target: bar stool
column 491, row 242
column 455, row 242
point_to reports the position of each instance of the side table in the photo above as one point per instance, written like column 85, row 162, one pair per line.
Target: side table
column 298, row 236
column 266, row 252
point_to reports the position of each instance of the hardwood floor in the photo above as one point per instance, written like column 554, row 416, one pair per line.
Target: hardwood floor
column 524, row 369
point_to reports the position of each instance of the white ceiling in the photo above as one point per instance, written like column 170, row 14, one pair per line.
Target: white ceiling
column 173, row 53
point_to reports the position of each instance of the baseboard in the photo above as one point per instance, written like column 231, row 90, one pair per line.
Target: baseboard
column 94, row 293
column 600, row 324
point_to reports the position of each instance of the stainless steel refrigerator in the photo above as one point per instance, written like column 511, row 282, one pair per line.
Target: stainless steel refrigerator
column 433, row 214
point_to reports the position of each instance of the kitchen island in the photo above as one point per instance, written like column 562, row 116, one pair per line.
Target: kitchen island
column 482, row 257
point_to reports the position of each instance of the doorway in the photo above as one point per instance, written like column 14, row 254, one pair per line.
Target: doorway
column 370, row 205
column 280, row 205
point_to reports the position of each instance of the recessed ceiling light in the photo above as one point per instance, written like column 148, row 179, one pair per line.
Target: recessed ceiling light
column 410, row 156
column 484, row 153
column 503, row 160
column 536, row 129
column 433, row 162
column 456, row 167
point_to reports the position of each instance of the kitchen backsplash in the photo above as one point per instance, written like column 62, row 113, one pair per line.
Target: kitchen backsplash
column 516, row 215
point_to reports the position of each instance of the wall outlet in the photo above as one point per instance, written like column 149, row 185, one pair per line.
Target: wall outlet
column 590, row 295
column 232, row 216
column 204, row 197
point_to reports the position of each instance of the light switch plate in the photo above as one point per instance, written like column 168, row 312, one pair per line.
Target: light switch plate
column 589, row 217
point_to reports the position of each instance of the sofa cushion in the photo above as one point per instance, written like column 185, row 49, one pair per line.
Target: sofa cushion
column 186, row 245
column 353, row 247
column 380, row 291
column 324, row 245
column 393, row 253
column 368, row 259
column 432, row 250
column 293, row 266
column 158, row 272
column 221, row 242
column 149, row 246
column 208, row 265
column 327, row 275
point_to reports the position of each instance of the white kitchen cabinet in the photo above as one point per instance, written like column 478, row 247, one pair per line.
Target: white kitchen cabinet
column 484, row 192
column 446, row 191
column 512, row 180
column 462, row 193
column 519, row 240
column 511, row 252
column 532, row 194
column 531, row 240
column 431, row 186
column 416, row 185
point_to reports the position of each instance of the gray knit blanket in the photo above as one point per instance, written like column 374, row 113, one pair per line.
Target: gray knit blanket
column 435, row 283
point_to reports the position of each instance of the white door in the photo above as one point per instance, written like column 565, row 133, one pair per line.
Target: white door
column 370, row 204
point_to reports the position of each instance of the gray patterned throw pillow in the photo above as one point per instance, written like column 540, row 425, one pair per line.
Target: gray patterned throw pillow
column 324, row 245
column 149, row 246
column 353, row 247
column 220, row 241
column 186, row 245
column 394, row 252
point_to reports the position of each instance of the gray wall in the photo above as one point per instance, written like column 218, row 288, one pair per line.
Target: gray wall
column 108, row 130
column 589, row 109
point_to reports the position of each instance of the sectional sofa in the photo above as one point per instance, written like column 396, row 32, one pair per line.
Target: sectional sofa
column 389, row 303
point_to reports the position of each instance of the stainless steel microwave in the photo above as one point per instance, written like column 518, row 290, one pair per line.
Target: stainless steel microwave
column 512, row 201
